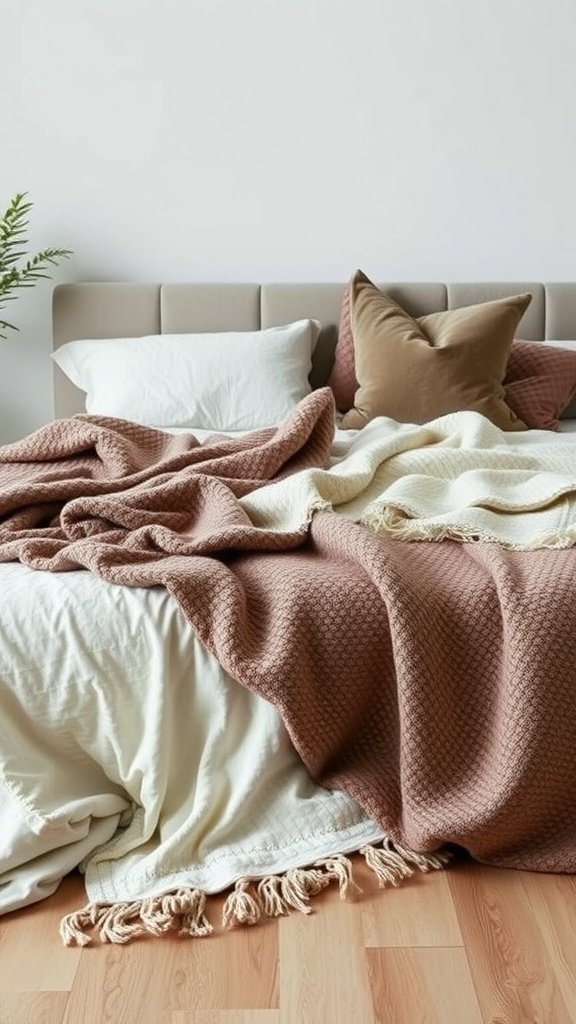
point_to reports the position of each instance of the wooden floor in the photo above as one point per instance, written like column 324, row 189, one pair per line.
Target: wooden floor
column 471, row 945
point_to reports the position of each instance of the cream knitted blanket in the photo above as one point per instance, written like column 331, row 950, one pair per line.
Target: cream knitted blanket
column 458, row 477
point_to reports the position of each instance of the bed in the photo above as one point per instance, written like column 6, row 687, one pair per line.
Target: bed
column 296, row 640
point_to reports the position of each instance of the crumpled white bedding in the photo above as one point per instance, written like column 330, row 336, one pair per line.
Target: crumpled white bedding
column 124, row 747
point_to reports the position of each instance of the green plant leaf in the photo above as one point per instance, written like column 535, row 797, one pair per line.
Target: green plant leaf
column 13, row 249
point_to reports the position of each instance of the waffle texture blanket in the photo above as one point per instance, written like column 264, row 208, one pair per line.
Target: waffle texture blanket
column 432, row 681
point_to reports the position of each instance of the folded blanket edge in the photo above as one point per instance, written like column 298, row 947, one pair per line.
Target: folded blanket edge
column 251, row 899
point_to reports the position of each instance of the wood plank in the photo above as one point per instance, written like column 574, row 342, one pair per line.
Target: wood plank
column 323, row 976
column 420, row 912
column 553, row 902
column 422, row 986
column 513, row 977
column 234, row 969
column 226, row 1017
column 32, row 956
column 32, row 1007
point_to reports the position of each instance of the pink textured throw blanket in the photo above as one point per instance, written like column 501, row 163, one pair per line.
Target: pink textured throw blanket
column 433, row 681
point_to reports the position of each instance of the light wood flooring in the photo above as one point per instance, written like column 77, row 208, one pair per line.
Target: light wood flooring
column 471, row 945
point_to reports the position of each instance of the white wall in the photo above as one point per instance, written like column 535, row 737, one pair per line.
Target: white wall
column 296, row 139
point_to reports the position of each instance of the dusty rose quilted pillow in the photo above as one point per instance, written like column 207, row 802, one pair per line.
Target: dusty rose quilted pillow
column 540, row 381
column 343, row 377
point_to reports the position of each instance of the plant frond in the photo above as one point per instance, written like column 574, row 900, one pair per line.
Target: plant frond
column 4, row 325
column 13, row 248
column 9, row 254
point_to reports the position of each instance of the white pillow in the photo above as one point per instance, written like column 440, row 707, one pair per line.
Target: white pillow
column 236, row 380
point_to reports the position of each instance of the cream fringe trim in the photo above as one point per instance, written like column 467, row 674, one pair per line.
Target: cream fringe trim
column 183, row 911
column 399, row 524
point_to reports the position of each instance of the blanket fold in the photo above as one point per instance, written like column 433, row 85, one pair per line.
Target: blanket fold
column 130, row 486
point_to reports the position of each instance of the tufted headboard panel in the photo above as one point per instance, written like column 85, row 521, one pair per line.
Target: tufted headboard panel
column 126, row 309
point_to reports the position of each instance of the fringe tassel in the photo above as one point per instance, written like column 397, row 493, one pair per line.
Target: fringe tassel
column 276, row 895
column 339, row 869
column 393, row 864
column 74, row 927
column 388, row 867
column 122, row 922
column 241, row 907
column 269, row 894
column 298, row 886
column 423, row 861
column 249, row 901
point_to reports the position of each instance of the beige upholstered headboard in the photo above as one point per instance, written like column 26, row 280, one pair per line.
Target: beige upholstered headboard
column 113, row 310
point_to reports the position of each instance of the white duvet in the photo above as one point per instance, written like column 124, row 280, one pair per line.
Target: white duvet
column 124, row 747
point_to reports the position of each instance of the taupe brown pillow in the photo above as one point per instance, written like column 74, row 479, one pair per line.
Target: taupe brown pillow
column 415, row 370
